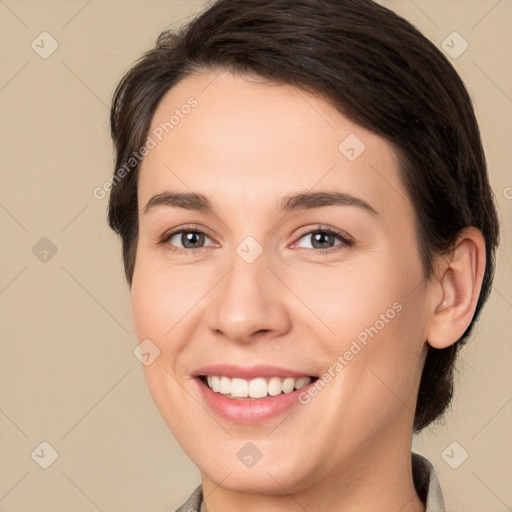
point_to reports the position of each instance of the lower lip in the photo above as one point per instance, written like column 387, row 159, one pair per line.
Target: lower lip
column 249, row 410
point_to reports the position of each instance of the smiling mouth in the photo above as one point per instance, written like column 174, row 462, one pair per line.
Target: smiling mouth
column 258, row 388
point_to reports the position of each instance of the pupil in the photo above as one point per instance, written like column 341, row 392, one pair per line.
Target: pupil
column 323, row 238
column 189, row 239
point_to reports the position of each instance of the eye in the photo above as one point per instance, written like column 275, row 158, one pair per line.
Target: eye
column 322, row 239
column 185, row 240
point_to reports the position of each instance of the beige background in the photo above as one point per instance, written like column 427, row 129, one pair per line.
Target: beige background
column 68, row 373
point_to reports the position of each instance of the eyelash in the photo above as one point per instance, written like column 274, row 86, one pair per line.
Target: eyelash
column 345, row 240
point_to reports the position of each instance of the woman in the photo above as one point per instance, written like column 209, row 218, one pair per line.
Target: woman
column 309, row 235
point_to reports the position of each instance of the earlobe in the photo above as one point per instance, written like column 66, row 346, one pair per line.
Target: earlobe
column 458, row 283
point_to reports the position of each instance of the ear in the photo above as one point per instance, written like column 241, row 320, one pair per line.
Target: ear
column 456, row 288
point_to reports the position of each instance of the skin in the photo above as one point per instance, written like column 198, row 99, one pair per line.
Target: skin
column 247, row 144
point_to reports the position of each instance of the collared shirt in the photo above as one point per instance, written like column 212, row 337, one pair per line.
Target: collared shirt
column 424, row 477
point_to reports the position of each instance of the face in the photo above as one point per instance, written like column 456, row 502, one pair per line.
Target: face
column 293, row 265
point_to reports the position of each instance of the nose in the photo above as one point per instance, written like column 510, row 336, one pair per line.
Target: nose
column 249, row 302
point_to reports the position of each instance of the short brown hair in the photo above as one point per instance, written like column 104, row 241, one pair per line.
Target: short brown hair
column 376, row 69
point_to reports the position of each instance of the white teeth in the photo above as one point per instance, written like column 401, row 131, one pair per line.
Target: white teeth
column 274, row 386
column 288, row 384
column 239, row 388
column 225, row 386
column 301, row 382
column 255, row 388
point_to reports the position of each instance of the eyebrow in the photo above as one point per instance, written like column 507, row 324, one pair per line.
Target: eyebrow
column 291, row 202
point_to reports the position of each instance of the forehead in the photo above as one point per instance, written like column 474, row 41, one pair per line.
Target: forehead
column 242, row 138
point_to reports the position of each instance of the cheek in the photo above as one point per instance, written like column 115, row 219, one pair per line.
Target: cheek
column 349, row 299
column 144, row 303
column 161, row 299
column 384, row 374
column 375, row 312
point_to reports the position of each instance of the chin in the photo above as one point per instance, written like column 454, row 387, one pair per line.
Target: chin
column 272, row 475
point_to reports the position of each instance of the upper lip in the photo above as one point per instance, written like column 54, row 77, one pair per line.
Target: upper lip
column 248, row 372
